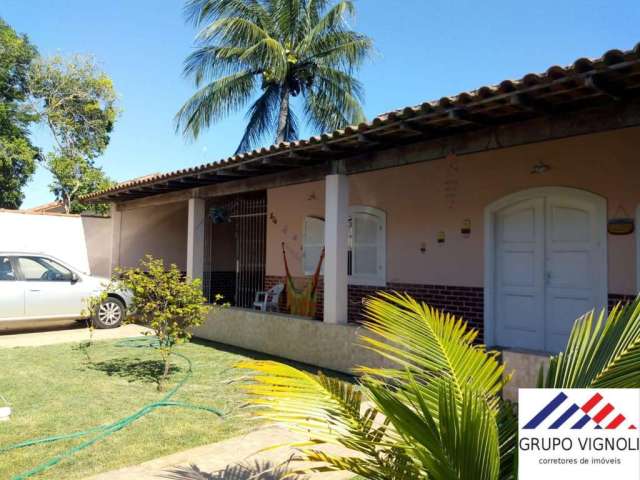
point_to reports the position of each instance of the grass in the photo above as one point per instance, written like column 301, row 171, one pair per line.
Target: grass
column 56, row 389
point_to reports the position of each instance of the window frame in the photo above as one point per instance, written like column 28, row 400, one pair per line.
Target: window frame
column 380, row 279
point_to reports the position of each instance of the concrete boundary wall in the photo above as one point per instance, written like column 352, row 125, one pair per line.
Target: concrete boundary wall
column 84, row 242
column 331, row 346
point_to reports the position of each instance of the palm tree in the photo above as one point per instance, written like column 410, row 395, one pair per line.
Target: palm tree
column 438, row 414
column 279, row 49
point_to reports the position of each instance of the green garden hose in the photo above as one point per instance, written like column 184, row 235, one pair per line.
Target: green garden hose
column 104, row 431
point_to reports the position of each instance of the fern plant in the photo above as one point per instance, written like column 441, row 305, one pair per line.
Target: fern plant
column 438, row 413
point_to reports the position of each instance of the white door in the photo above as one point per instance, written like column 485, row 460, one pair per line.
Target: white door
column 550, row 268
column 520, row 275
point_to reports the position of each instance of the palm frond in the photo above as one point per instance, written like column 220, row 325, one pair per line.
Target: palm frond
column 261, row 118
column 327, row 411
column 200, row 11
column 459, row 441
column 333, row 20
column 601, row 352
column 215, row 100
column 430, row 346
column 333, row 100
column 213, row 61
column 346, row 50
column 507, row 420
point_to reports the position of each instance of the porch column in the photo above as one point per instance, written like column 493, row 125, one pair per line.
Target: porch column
column 195, row 238
column 116, row 224
column 335, row 243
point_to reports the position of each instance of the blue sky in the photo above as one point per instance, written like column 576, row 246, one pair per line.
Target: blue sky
column 426, row 49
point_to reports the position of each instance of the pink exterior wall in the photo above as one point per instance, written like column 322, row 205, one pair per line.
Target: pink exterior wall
column 160, row 231
column 424, row 199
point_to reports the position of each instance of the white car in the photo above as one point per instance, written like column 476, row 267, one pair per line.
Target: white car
column 35, row 286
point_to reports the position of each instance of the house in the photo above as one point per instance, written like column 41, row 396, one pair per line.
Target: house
column 512, row 205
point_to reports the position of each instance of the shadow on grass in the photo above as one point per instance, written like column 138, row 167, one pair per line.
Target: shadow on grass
column 134, row 369
column 247, row 471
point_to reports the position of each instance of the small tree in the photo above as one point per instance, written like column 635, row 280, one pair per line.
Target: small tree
column 165, row 302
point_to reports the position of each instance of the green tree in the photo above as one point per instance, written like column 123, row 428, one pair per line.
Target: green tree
column 17, row 154
column 279, row 49
column 437, row 414
column 163, row 301
column 77, row 102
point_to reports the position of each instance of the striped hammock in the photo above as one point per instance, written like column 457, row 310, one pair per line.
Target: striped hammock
column 302, row 301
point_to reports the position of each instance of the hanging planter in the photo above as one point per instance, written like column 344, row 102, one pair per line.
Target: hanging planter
column 620, row 226
column 621, row 223
column 219, row 215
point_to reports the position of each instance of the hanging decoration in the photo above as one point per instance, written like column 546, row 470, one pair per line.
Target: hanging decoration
column 621, row 223
column 302, row 301
column 219, row 215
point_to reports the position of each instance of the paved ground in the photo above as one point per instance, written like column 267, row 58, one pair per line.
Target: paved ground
column 9, row 339
column 222, row 457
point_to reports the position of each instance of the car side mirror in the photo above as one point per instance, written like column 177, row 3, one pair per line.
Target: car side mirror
column 74, row 277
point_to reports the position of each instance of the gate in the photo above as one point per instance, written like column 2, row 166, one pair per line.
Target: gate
column 235, row 247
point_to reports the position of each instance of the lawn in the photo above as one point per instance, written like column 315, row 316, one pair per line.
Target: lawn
column 56, row 389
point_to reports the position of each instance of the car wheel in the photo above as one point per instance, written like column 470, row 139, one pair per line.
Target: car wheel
column 109, row 313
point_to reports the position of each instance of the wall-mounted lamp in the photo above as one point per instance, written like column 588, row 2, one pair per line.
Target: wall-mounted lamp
column 423, row 247
column 466, row 228
column 539, row 168
column 440, row 237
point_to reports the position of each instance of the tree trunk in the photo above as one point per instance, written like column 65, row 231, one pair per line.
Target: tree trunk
column 283, row 114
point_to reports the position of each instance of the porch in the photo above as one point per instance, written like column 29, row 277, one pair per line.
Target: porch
column 512, row 206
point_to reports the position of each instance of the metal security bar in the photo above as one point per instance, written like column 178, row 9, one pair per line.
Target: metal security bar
column 235, row 248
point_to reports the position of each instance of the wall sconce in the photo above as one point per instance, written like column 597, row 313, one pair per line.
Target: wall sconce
column 539, row 168
column 273, row 218
column 440, row 237
column 423, row 247
column 466, row 228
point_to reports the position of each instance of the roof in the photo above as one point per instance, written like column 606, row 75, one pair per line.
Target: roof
column 587, row 82
column 55, row 207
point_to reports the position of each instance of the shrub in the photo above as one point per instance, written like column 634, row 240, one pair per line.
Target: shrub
column 163, row 301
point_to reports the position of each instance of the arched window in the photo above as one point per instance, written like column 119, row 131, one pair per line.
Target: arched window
column 366, row 261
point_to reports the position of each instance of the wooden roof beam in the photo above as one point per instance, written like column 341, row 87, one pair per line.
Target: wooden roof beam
column 281, row 162
column 462, row 115
column 227, row 172
column 413, row 127
column 529, row 104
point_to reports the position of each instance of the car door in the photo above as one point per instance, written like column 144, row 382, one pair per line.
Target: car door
column 11, row 291
column 50, row 291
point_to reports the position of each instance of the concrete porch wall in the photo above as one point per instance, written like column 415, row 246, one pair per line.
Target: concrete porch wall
column 524, row 368
column 330, row 346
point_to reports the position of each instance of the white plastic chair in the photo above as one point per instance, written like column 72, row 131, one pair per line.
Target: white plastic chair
column 268, row 301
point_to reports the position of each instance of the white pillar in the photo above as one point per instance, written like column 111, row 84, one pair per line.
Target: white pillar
column 116, row 225
column 195, row 238
column 335, row 243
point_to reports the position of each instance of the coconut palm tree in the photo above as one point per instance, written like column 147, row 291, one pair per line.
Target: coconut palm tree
column 438, row 413
column 276, row 50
